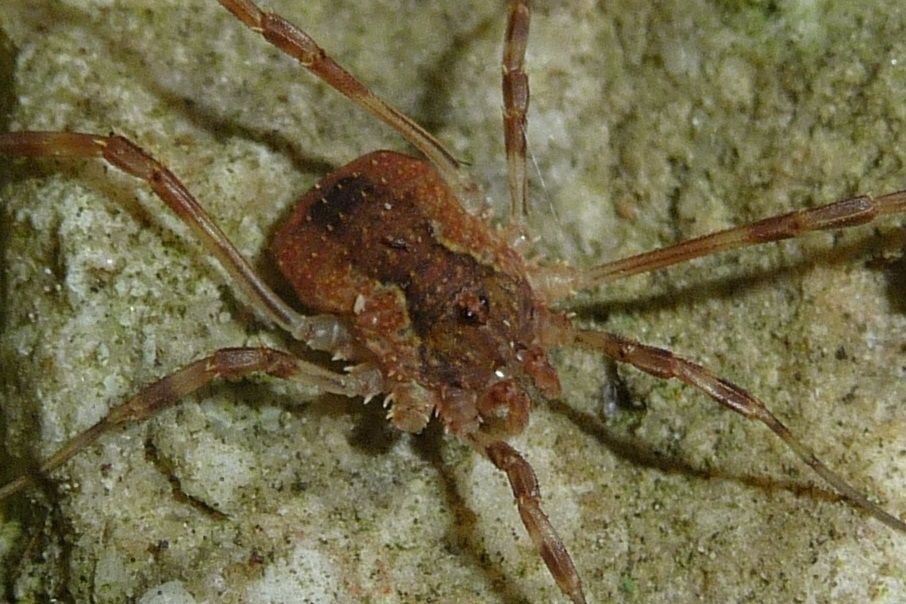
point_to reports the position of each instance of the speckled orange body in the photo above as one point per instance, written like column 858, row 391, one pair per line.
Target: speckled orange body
column 433, row 296
column 436, row 308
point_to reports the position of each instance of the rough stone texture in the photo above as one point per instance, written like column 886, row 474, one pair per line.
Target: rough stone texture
column 651, row 122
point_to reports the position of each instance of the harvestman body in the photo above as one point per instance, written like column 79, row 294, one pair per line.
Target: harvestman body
column 439, row 312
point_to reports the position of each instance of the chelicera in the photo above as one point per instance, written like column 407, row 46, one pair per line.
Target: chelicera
column 437, row 311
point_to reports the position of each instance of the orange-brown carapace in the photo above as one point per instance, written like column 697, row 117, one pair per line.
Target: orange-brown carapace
column 439, row 302
column 435, row 308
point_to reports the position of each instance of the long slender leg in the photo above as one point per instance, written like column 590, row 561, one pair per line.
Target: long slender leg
column 228, row 363
column 319, row 332
column 515, row 105
column 528, row 499
column 296, row 43
column 664, row 364
column 841, row 214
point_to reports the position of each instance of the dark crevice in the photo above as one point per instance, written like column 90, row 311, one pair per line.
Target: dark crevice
column 167, row 470
column 642, row 455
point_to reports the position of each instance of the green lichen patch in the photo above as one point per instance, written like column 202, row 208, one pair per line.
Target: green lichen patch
column 650, row 122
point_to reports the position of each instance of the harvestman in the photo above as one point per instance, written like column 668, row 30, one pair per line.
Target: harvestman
column 439, row 313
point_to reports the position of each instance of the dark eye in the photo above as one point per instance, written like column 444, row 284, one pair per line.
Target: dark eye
column 473, row 309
